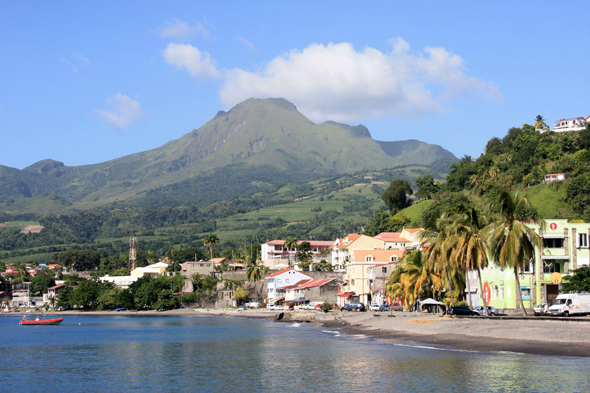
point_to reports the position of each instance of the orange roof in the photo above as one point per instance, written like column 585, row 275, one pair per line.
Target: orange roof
column 387, row 235
column 315, row 283
column 414, row 230
column 395, row 239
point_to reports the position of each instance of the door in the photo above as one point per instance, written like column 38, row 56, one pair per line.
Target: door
column 552, row 291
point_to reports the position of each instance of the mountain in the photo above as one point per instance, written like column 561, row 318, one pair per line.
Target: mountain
column 258, row 143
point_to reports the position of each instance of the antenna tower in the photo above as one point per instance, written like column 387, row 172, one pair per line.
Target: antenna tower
column 132, row 254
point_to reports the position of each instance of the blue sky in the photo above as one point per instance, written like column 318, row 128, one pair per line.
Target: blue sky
column 86, row 82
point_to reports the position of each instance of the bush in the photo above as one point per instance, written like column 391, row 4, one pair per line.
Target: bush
column 326, row 307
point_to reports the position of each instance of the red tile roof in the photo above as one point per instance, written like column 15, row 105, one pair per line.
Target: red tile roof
column 315, row 283
column 414, row 230
column 387, row 235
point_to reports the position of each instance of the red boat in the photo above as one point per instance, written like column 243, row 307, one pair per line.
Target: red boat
column 55, row 321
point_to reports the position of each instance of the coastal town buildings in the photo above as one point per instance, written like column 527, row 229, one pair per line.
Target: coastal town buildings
column 281, row 279
column 275, row 255
column 574, row 124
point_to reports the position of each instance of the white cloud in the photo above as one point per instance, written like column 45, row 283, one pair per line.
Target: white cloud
column 121, row 111
column 336, row 82
column 179, row 29
column 75, row 61
column 197, row 63
column 247, row 43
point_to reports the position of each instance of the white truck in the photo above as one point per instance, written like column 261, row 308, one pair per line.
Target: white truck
column 571, row 304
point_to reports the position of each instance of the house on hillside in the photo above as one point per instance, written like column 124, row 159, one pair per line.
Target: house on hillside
column 190, row 268
column 414, row 235
column 393, row 240
column 575, row 124
column 54, row 291
column 555, row 177
column 275, row 255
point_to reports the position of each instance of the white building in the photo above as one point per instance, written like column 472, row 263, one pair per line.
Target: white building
column 275, row 255
column 281, row 279
column 575, row 124
column 121, row 282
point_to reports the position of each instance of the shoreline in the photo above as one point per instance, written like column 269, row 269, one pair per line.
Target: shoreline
column 535, row 337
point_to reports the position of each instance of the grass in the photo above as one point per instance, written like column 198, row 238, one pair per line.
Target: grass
column 548, row 199
column 415, row 212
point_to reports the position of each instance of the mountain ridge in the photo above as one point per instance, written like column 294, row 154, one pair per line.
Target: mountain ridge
column 265, row 135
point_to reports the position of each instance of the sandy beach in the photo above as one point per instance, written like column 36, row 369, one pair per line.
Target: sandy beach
column 546, row 336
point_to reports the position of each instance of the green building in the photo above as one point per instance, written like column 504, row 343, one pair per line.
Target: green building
column 565, row 248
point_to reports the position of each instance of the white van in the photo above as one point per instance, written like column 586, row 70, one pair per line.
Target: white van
column 570, row 304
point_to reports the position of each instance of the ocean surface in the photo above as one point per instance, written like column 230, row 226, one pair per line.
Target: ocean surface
column 220, row 354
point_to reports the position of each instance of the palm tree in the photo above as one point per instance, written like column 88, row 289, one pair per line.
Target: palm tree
column 290, row 244
column 439, row 252
column 471, row 248
column 211, row 240
column 494, row 172
column 255, row 271
column 412, row 278
column 540, row 123
column 511, row 243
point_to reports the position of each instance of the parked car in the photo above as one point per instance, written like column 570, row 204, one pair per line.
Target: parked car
column 313, row 306
column 242, row 307
column 279, row 307
column 271, row 307
column 384, row 307
column 491, row 311
column 462, row 310
column 253, row 305
column 353, row 307
column 541, row 309
column 374, row 307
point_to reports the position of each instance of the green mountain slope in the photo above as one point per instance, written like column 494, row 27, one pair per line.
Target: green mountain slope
column 256, row 143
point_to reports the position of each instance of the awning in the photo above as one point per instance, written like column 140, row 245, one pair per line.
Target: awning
column 301, row 301
column 346, row 294
column 276, row 299
column 553, row 236
column 555, row 257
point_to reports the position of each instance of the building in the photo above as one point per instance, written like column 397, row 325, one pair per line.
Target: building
column 122, row 282
column 555, row 177
column 317, row 290
column 275, row 255
column 367, row 273
column 53, row 292
column 21, row 296
column 575, row 124
column 281, row 279
column 190, row 268
column 342, row 248
column 565, row 248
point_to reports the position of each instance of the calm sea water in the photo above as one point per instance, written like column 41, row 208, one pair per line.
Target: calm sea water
column 216, row 354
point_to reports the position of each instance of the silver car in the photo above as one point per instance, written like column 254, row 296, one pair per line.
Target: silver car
column 541, row 309
column 492, row 311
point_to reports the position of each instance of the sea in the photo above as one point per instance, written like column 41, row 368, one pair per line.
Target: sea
column 129, row 353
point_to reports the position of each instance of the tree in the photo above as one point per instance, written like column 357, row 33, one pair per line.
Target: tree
column 471, row 248
column 540, row 123
column 427, row 187
column 79, row 260
column 211, row 240
column 395, row 195
column 255, row 271
column 86, row 294
column 290, row 244
column 399, row 221
column 412, row 278
column 381, row 222
column 578, row 281
column 304, row 255
column 41, row 283
column 241, row 294
column 511, row 243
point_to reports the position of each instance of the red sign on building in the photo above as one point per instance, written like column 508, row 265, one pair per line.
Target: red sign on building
column 487, row 293
column 553, row 226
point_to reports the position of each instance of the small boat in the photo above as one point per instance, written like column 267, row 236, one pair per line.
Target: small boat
column 54, row 321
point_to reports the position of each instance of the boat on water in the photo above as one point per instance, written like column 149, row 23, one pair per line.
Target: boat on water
column 54, row 321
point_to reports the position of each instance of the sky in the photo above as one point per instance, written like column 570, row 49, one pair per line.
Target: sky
column 86, row 82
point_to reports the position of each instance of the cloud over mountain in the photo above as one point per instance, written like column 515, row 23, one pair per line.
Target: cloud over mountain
column 197, row 63
column 121, row 112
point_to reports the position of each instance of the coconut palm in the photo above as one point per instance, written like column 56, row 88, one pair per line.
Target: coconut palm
column 412, row 278
column 511, row 243
column 540, row 123
column 290, row 244
column 439, row 252
column 471, row 248
column 210, row 241
column 255, row 271
column 494, row 172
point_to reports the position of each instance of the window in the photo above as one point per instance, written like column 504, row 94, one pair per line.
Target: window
column 287, row 280
column 553, row 243
column 383, row 270
column 201, row 265
column 393, row 259
column 369, row 258
column 551, row 266
column 582, row 240
column 525, row 292
column 278, row 280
